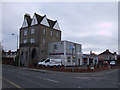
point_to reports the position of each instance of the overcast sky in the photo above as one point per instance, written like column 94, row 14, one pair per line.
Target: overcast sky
column 94, row 25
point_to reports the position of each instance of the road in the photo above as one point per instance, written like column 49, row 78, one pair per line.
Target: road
column 16, row 77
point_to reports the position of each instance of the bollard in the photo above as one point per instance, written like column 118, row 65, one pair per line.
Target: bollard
column 37, row 67
column 32, row 66
column 29, row 66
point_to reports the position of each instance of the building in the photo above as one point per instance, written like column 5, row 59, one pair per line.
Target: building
column 8, row 57
column 69, row 52
column 108, row 56
column 35, row 34
column 90, row 59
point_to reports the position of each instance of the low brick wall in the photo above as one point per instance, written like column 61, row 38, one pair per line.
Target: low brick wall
column 76, row 69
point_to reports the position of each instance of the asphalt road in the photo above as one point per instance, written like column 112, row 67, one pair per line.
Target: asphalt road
column 16, row 77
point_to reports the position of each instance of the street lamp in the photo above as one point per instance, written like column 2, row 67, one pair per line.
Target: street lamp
column 17, row 38
column 17, row 47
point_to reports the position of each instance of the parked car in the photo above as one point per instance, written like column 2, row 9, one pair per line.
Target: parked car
column 112, row 63
column 105, row 63
column 50, row 62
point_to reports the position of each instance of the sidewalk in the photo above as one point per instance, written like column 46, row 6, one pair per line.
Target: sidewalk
column 61, row 73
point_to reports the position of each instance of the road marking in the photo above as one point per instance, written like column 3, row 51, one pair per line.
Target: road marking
column 11, row 82
column 23, row 74
column 79, row 87
column 47, row 79
column 82, row 77
column 11, row 70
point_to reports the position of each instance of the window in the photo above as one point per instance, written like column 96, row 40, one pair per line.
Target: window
column 57, row 34
column 44, row 31
column 50, row 33
column 47, row 61
column 55, row 46
column 32, row 31
column 32, row 40
column 43, row 41
column 25, row 41
column 25, row 32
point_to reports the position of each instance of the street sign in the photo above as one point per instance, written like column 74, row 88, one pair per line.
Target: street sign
column 71, row 47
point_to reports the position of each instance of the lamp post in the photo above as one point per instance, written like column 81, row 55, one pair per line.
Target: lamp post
column 17, row 48
column 17, row 38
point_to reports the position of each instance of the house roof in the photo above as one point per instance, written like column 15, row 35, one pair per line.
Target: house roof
column 28, row 18
column 51, row 23
column 39, row 19
column 107, row 52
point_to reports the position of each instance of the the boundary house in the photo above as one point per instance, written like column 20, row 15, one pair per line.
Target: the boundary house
column 108, row 56
column 35, row 34
column 69, row 52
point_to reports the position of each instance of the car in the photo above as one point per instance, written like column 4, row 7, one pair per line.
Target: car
column 50, row 62
column 112, row 63
column 105, row 63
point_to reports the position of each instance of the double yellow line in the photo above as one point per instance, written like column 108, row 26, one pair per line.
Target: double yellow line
column 11, row 82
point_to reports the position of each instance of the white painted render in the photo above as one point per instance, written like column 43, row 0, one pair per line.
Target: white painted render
column 34, row 20
column 45, row 22
column 25, row 24
column 56, row 26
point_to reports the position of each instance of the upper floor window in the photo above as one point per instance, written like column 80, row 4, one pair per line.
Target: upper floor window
column 44, row 31
column 51, row 33
column 32, row 31
column 57, row 34
column 43, row 41
column 32, row 40
column 25, row 32
column 25, row 41
column 55, row 47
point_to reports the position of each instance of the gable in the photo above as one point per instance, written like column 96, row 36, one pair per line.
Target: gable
column 25, row 24
column 56, row 26
column 34, row 20
column 45, row 22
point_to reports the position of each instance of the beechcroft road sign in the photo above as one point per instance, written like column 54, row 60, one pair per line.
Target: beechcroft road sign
column 71, row 47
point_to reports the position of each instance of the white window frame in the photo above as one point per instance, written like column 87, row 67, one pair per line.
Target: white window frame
column 32, row 31
column 44, row 31
column 57, row 34
column 51, row 33
column 44, row 41
column 25, row 41
column 32, row 40
column 25, row 32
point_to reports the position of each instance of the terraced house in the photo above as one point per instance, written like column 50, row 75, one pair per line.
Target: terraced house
column 35, row 34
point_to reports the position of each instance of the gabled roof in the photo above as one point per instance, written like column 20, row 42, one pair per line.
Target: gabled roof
column 28, row 18
column 39, row 18
column 106, row 52
column 51, row 23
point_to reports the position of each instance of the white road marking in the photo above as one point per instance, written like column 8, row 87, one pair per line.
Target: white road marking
column 11, row 70
column 23, row 73
column 79, row 87
column 10, row 82
column 47, row 79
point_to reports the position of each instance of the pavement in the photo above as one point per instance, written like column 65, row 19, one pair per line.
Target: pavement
column 21, row 77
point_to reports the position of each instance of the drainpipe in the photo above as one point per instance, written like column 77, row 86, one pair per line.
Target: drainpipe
column 64, row 53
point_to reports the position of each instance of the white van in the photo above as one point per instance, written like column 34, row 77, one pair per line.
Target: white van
column 51, row 62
